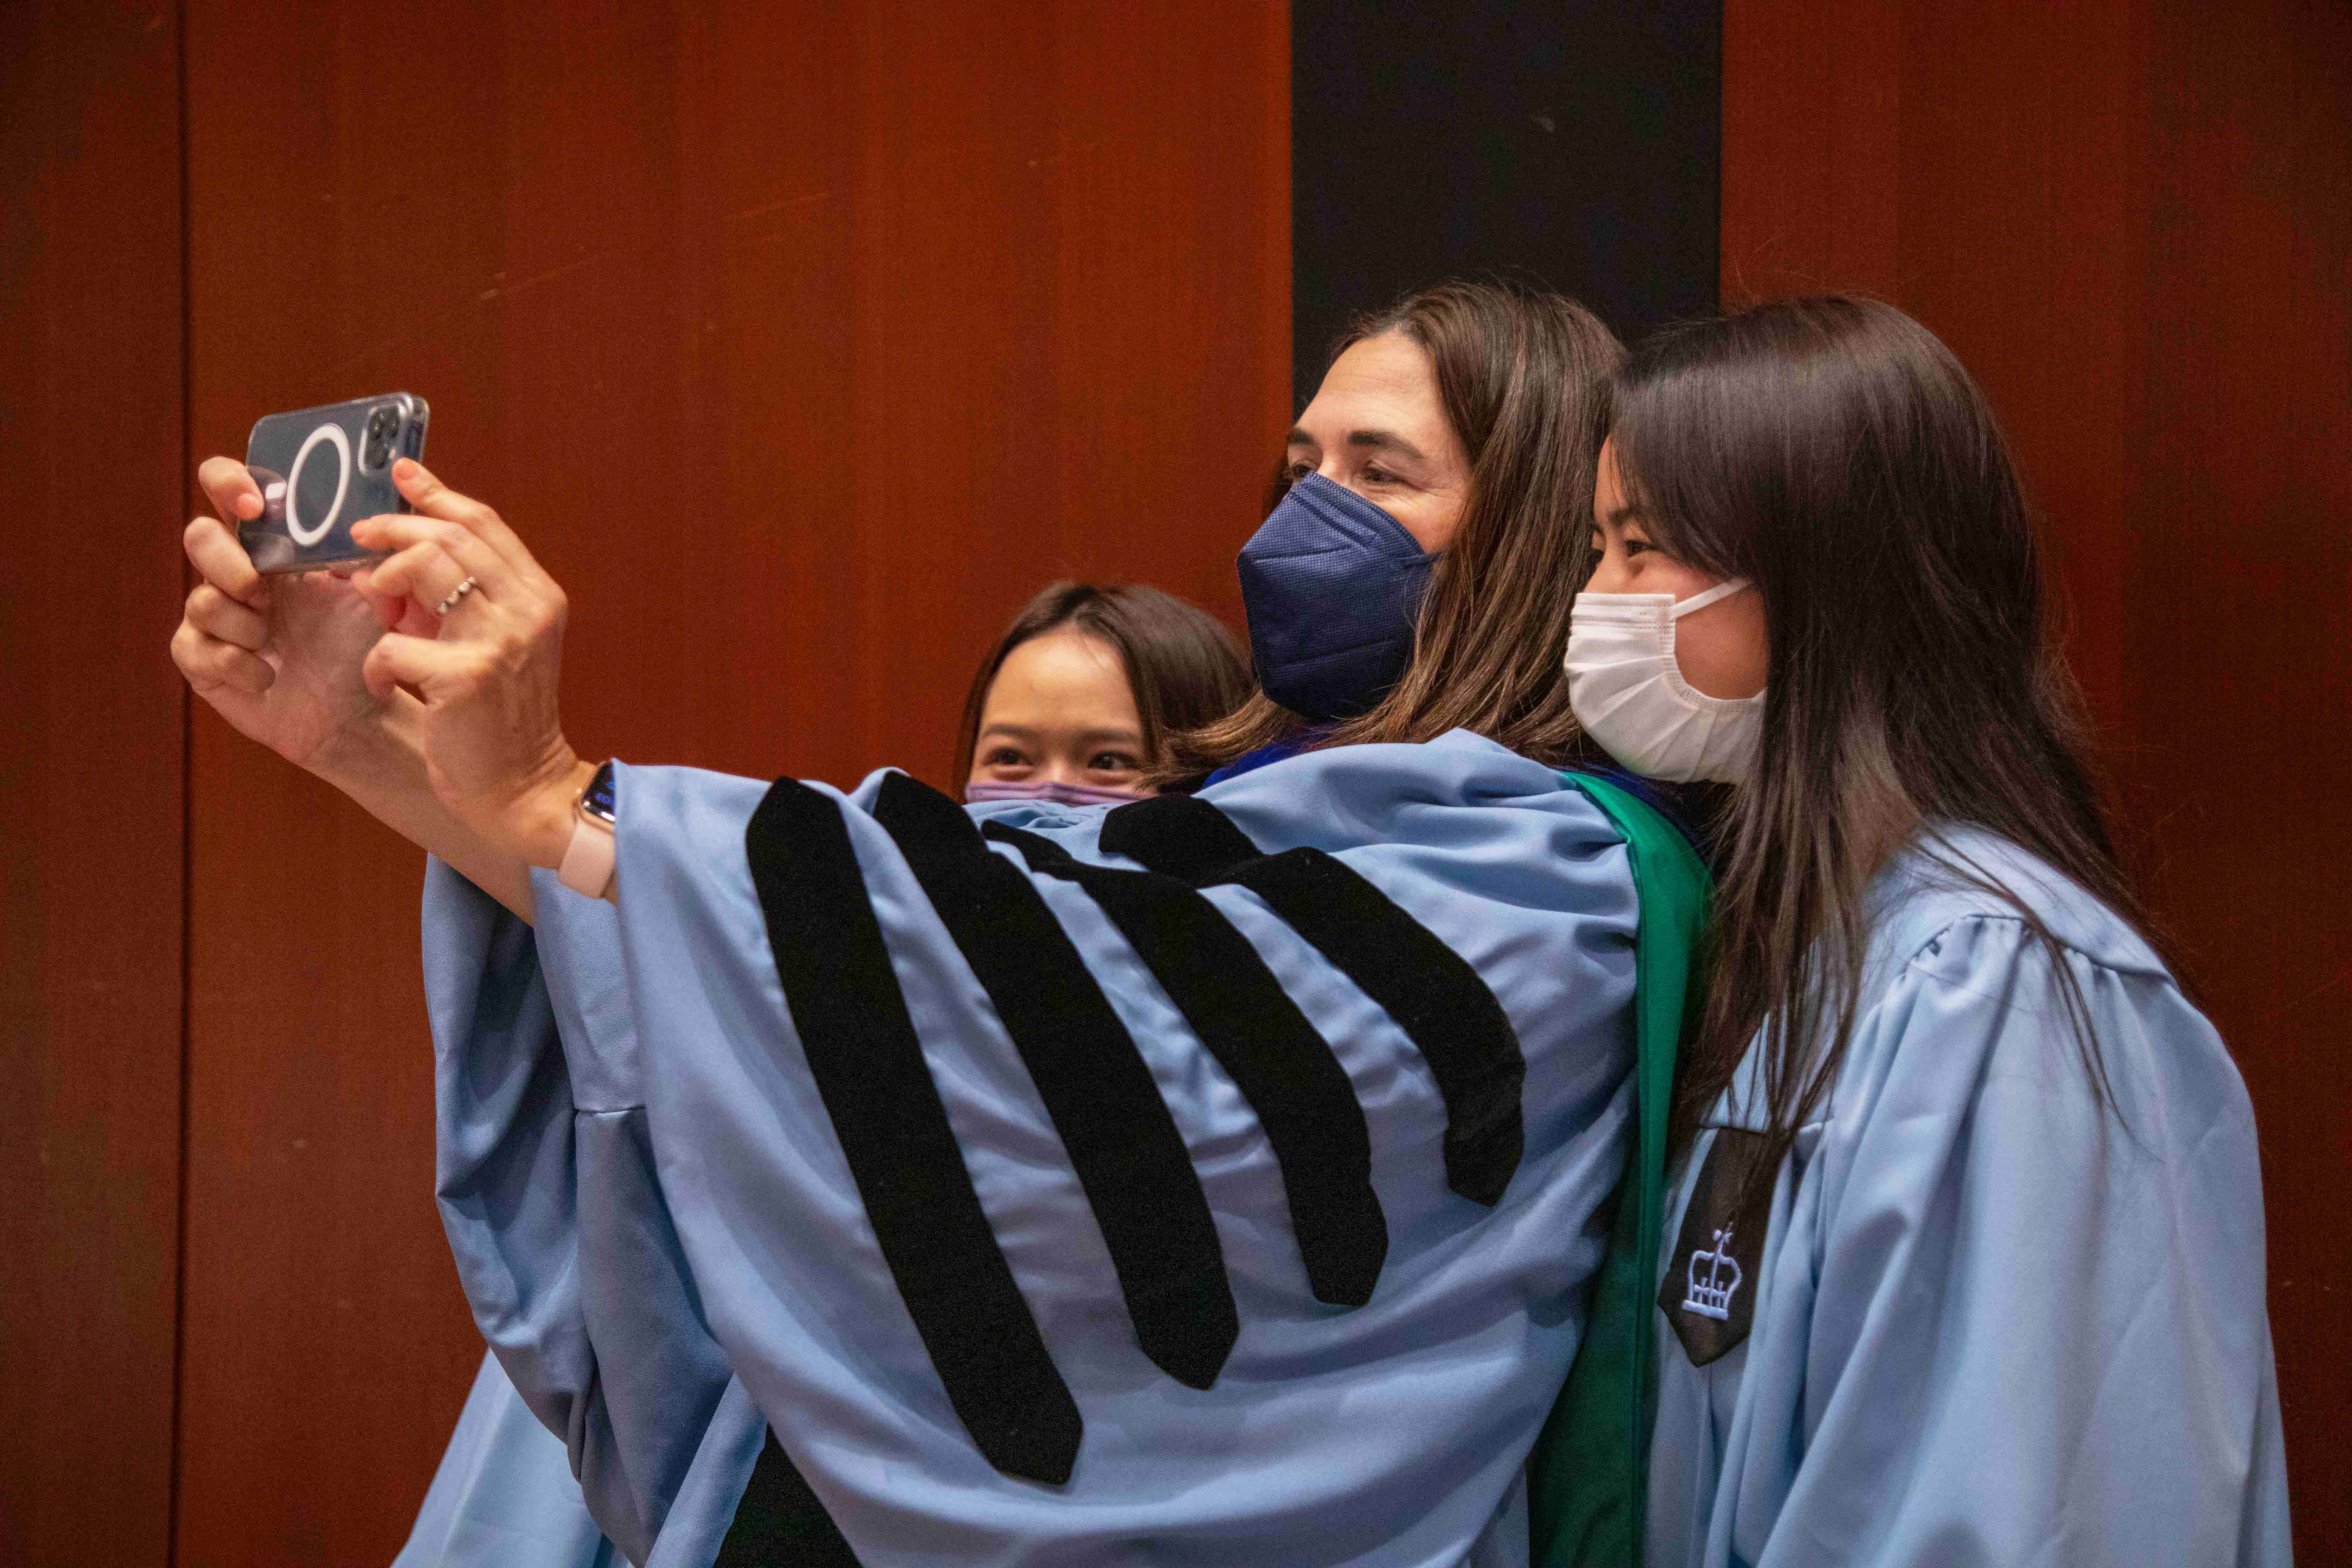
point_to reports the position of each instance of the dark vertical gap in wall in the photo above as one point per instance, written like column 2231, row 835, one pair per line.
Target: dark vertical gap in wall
column 1577, row 147
column 187, row 831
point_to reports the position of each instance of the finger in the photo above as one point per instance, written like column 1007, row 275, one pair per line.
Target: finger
column 210, row 664
column 398, row 531
column 426, row 573
column 419, row 663
column 217, row 614
column 391, row 609
column 428, row 495
column 229, row 486
column 214, row 551
column 396, row 612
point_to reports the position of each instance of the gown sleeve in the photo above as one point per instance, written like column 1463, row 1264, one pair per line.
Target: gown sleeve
column 1228, row 1170
column 504, row 1496
column 2006, row 1325
column 546, row 1191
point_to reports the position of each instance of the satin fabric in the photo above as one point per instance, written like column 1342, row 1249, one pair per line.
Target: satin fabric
column 1994, row 1325
column 662, row 1242
column 504, row 1496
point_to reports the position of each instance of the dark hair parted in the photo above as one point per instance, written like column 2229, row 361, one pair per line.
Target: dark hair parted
column 1185, row 668
column 1837, row 455
column 1523, row 377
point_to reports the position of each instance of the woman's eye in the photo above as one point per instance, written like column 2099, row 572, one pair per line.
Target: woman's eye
column 1375, row 475
column 1004, row 757
column 1294, row 472
column 1113, row 763
column 1638, row 546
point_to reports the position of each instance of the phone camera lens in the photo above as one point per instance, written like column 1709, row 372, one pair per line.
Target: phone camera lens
column 382, row 424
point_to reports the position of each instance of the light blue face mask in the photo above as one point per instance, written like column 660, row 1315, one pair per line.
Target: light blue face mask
column 1332, row 584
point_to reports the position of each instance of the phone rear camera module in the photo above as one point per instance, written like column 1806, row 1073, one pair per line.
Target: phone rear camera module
column 383, row 426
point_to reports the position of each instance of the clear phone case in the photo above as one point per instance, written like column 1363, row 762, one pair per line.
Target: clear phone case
column 322, row 469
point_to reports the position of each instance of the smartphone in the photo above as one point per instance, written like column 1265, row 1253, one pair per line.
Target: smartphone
column 322, row 469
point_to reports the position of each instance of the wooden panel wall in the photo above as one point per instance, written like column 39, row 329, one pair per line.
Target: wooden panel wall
column 802, row 341
column 2133, row 220
column 92, row 735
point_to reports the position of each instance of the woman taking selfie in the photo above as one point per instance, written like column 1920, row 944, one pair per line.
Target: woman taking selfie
column 1966, row 1264
column 1218, row 1175
column 1072, row 703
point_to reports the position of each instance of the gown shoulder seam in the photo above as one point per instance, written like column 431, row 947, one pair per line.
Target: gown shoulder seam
column 2109, row 963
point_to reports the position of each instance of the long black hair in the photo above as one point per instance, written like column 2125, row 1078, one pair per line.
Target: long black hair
column 1836, row 454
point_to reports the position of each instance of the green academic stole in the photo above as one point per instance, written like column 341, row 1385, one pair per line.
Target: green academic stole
column 1587, row 1477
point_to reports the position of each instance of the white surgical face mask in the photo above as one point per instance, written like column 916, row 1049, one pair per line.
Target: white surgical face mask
column 1629, row 695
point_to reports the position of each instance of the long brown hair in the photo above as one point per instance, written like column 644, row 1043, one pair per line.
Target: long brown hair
column 1833, row 452
column 1185, row 668
column 1523, row 378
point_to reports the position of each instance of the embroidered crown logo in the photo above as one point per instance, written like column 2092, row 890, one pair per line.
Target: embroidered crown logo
column 1710, row 1294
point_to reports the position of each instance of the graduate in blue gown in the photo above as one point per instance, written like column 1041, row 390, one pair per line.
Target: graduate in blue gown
column 1219, row 1178
column 1039, row 1208
column 1073, row 704
column 1965, row 1260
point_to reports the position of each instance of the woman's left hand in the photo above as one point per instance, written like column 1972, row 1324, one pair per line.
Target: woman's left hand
column 494, row 747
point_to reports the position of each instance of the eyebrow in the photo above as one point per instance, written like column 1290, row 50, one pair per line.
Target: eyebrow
column 1384, row 441
column 1620, row 516
column 1370, row 440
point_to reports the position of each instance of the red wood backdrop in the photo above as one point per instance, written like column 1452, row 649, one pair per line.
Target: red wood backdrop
column 93, row 727
column 2133, row 219
column 802, row 341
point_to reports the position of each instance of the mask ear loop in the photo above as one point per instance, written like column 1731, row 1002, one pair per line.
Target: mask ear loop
column 1701, row 601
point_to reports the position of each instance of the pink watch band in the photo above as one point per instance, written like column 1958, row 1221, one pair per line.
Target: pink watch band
column 588, row 860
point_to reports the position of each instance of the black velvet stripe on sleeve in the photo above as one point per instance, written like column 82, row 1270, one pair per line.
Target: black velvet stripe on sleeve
column 1180, row 835
column 780, row 1523
column 868, row 1068
column 1123, row 1144
column 1285, row 1069
column 1434, row 995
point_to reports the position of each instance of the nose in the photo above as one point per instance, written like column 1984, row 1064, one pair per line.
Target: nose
column 1610, row 576
column 1334, row 468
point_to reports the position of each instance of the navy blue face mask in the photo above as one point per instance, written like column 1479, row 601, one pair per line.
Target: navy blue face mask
column 1332, row 584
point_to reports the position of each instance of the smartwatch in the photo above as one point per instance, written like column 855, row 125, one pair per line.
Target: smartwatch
column 588, row 863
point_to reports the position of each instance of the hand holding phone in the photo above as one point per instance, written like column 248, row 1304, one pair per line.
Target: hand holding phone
column 321, row 469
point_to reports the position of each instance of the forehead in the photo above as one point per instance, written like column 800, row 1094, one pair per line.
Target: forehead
column 1379, row 382
column 1064, row 677
column 1608, row 493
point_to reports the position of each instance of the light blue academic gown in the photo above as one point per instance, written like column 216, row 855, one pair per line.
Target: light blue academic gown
column 505, row 1496
column 724, row 1271
column 1990, row 1323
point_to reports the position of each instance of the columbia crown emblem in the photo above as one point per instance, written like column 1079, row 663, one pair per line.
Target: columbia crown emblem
column 1710, row 1293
